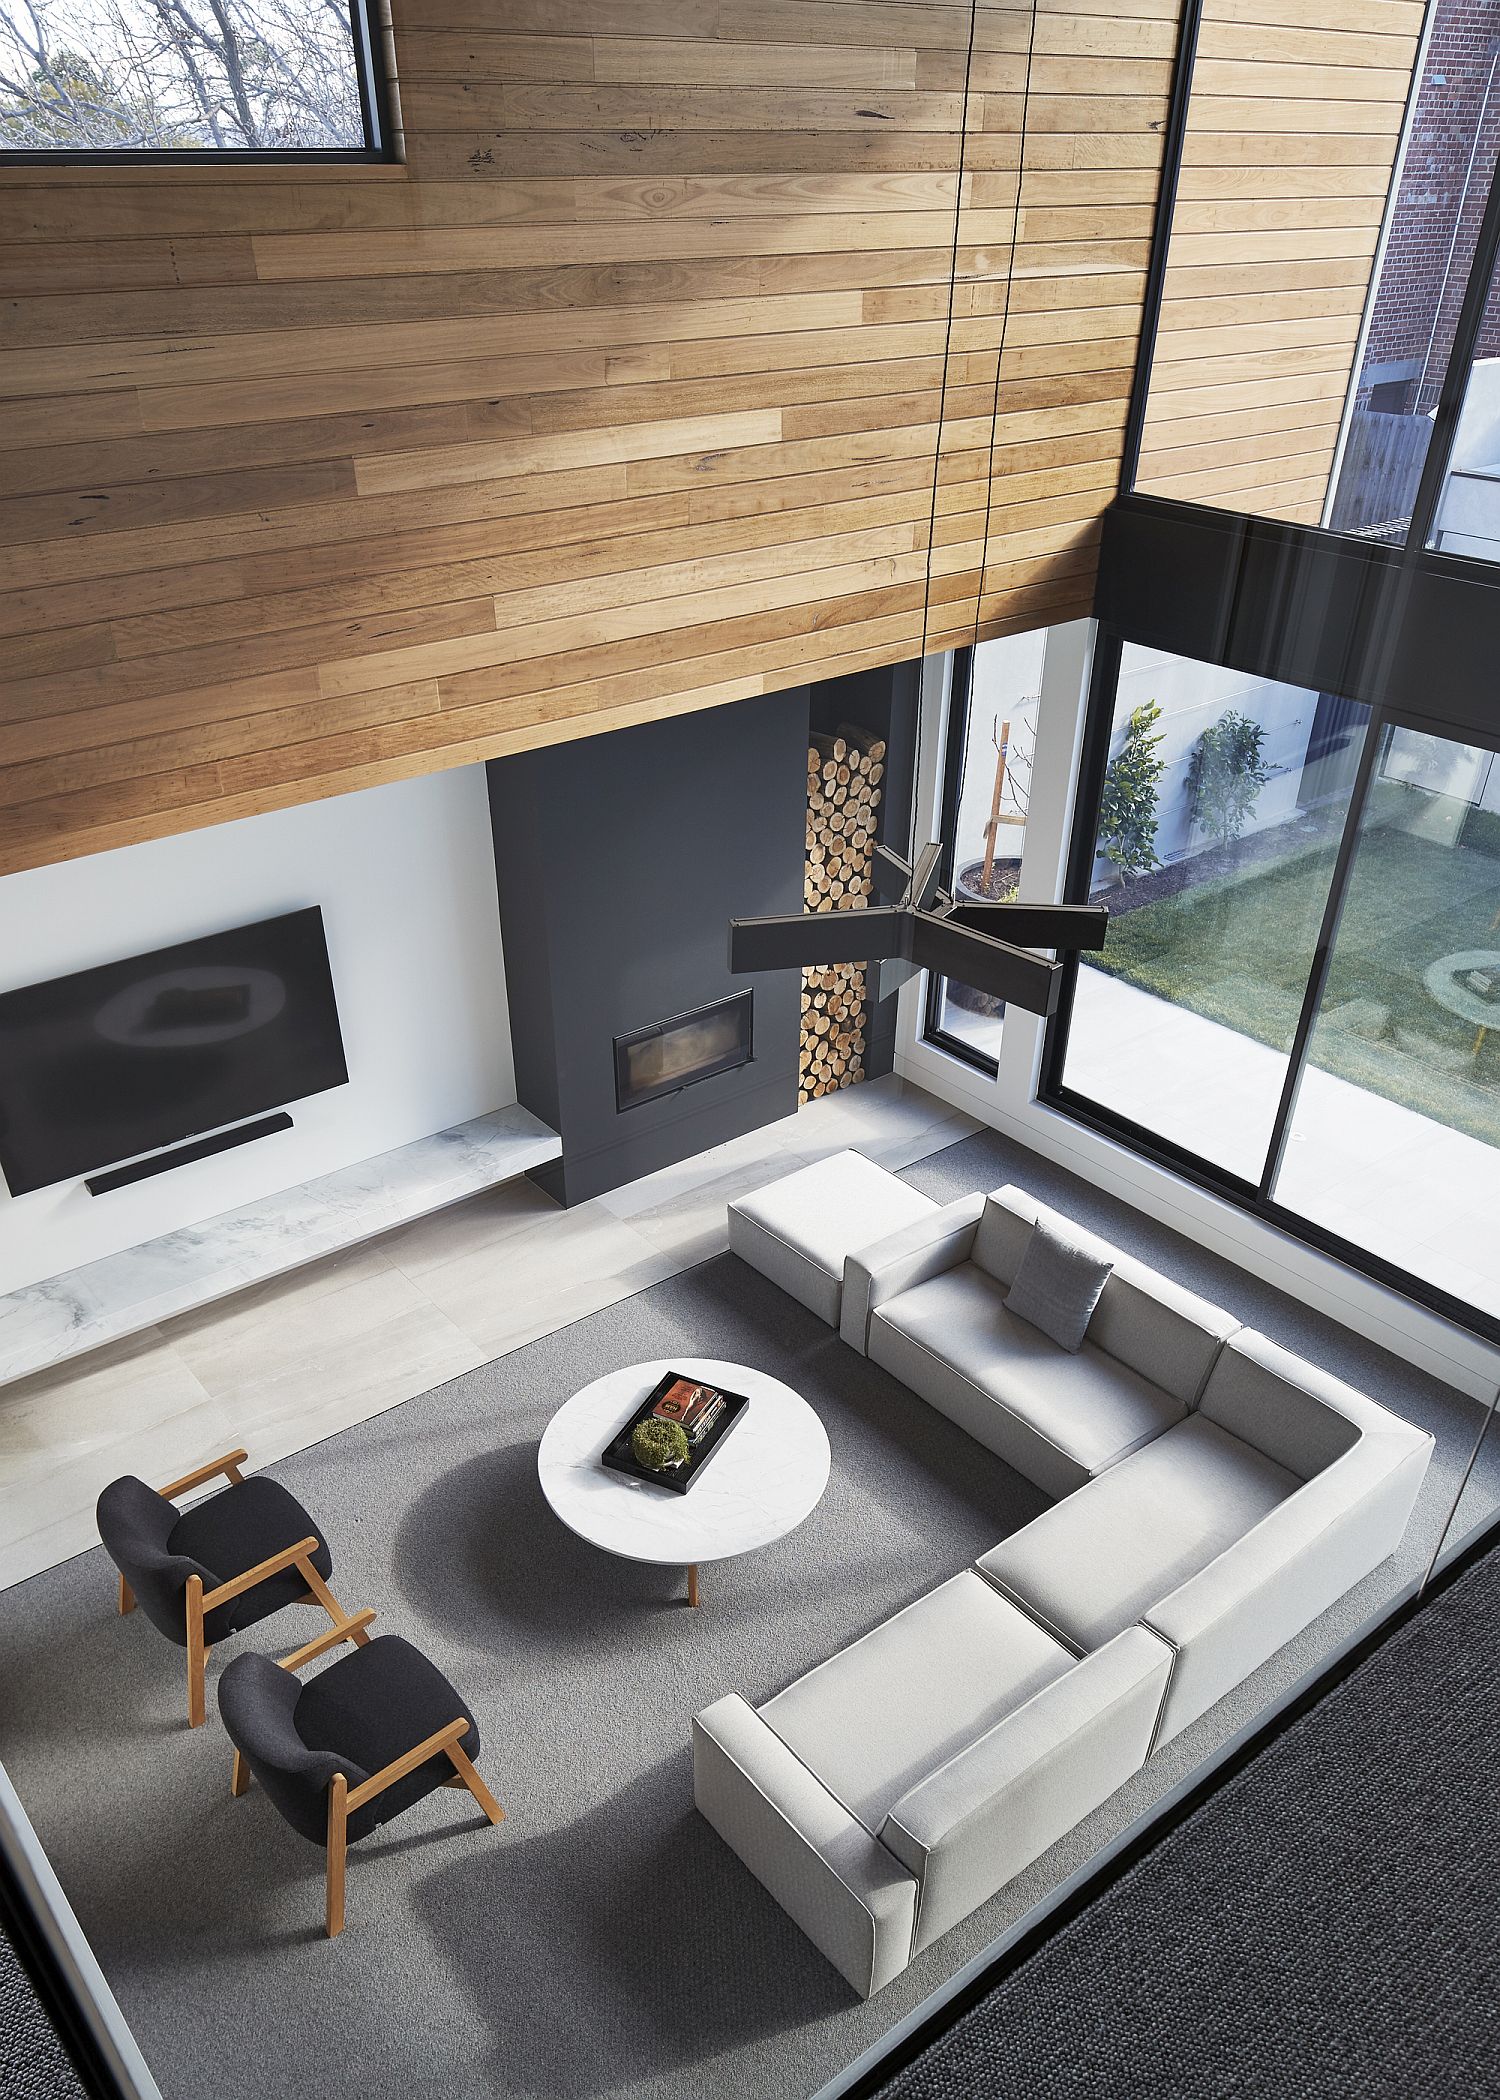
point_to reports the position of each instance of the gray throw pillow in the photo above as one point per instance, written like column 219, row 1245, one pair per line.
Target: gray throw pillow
column 1057, row 1286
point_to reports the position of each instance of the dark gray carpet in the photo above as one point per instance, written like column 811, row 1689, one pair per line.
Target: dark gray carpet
column 1322, row 1929
column 33, row 2063
column 603, row 1941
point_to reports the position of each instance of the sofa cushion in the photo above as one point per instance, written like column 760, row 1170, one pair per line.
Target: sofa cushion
column 799, row 1229
column 1099, row 1560
column 893, row 1706
column 1149, row 1323
column 1296, row 1413
column 1057, row 1286
column 1056, row 1417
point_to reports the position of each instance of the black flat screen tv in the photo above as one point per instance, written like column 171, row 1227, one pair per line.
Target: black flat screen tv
column 124, row 1059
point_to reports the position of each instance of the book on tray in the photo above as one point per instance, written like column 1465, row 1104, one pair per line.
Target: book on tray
column 696, row 1407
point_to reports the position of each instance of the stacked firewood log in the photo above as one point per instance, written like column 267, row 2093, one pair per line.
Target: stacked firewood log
column 844, row 773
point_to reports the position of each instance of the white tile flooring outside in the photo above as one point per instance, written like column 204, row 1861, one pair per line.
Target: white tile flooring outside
column 1379, row 1175
column 281, row 1365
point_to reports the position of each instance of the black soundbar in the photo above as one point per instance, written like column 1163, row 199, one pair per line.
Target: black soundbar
column 180, row 1155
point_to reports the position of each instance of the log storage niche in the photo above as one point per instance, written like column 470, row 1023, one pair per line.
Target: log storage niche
column 844, row 773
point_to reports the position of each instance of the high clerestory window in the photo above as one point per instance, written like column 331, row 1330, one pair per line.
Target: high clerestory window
column 176, row 79
column 1327, row 349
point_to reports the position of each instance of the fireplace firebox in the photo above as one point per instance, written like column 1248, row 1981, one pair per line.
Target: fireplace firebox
column 670, row 1055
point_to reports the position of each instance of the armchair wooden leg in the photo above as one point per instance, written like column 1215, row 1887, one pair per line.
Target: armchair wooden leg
column 338, row 1845
column 323, row 1595
column 127, row 1598
column 240, row 1781
column 475, row 1784
column 196, row 1653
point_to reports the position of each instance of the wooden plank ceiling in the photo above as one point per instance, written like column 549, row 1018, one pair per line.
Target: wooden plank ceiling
column 620, row 397
column 1293, row 129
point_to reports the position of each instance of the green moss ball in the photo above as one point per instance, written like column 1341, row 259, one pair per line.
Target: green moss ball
column 657, row 1444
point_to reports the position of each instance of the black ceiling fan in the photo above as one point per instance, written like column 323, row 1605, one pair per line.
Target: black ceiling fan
column 920, row 927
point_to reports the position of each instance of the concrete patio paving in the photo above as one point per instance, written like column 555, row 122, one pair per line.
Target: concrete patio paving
column 1397, row 1183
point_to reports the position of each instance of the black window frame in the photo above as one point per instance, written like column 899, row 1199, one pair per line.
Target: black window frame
column 372, row 77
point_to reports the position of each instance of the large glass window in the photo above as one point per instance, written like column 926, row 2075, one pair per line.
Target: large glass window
column 1395, row 1140
column 1299, row 994
column 181, row 77
column 1418, row 292
column 987, row 792
column 1327, row 217
column 1222, row 805
column 1466, row 519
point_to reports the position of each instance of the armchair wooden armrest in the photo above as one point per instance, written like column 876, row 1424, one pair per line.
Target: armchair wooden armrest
column 288, row 1557
column 344, row 1800
column 407, row 1762
column 229, row 1465
column 350, row 1630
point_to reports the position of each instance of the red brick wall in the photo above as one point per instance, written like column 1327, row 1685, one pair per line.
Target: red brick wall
column 1459, row 103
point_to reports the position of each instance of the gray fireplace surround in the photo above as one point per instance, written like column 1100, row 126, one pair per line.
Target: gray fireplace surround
column 1215, row 1494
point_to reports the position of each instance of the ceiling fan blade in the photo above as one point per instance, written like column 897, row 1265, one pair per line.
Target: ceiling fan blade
column 809, row 940
column 1066, row 926
column 891, row 975
column 925, row 878
column 1011, row 974
column 890, row 874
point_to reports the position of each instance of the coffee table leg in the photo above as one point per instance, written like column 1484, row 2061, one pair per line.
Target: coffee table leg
column 693, row 1585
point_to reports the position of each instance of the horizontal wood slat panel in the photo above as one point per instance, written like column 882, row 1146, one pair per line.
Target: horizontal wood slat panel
column 1293, row 129
column 625, row 395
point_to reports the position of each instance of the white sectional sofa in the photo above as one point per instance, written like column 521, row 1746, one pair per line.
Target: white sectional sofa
column 1216, row 1493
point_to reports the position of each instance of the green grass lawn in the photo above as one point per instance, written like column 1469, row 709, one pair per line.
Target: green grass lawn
column 1237, row 948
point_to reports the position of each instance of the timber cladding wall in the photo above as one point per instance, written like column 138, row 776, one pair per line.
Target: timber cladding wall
column 620, row 398
column 1293, row 130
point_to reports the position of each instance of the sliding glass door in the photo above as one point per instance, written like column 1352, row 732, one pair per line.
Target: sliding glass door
column 1219, row 816
column 1394, row 1142
column 1299, row 998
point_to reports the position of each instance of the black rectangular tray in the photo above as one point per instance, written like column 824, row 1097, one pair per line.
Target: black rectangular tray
column 619, row 1457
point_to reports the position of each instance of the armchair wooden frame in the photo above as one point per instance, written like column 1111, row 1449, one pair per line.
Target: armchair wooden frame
column 344, row 1800
column 198, row 1602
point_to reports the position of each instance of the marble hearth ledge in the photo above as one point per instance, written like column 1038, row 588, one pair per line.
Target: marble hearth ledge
column 124, row 1293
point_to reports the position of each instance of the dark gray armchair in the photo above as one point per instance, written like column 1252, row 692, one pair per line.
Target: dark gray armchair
column 212, row 1570
column 355, row 1746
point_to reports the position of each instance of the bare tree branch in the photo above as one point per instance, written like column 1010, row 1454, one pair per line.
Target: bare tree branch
column 178, row 73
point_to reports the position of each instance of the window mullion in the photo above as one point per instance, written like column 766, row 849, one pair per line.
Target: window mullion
column 1317, row 976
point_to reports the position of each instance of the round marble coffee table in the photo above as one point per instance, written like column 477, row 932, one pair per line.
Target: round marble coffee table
column 769, row 1475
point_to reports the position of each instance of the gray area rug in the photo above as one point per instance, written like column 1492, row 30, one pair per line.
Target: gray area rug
column 1322, row 1929
column 603, row 1941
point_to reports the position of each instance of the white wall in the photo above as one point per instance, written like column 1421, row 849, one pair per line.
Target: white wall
column 406, row 879
column 1192, row 697
column 1476, row 442
column 1009, row 1103
column 1007, row 683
